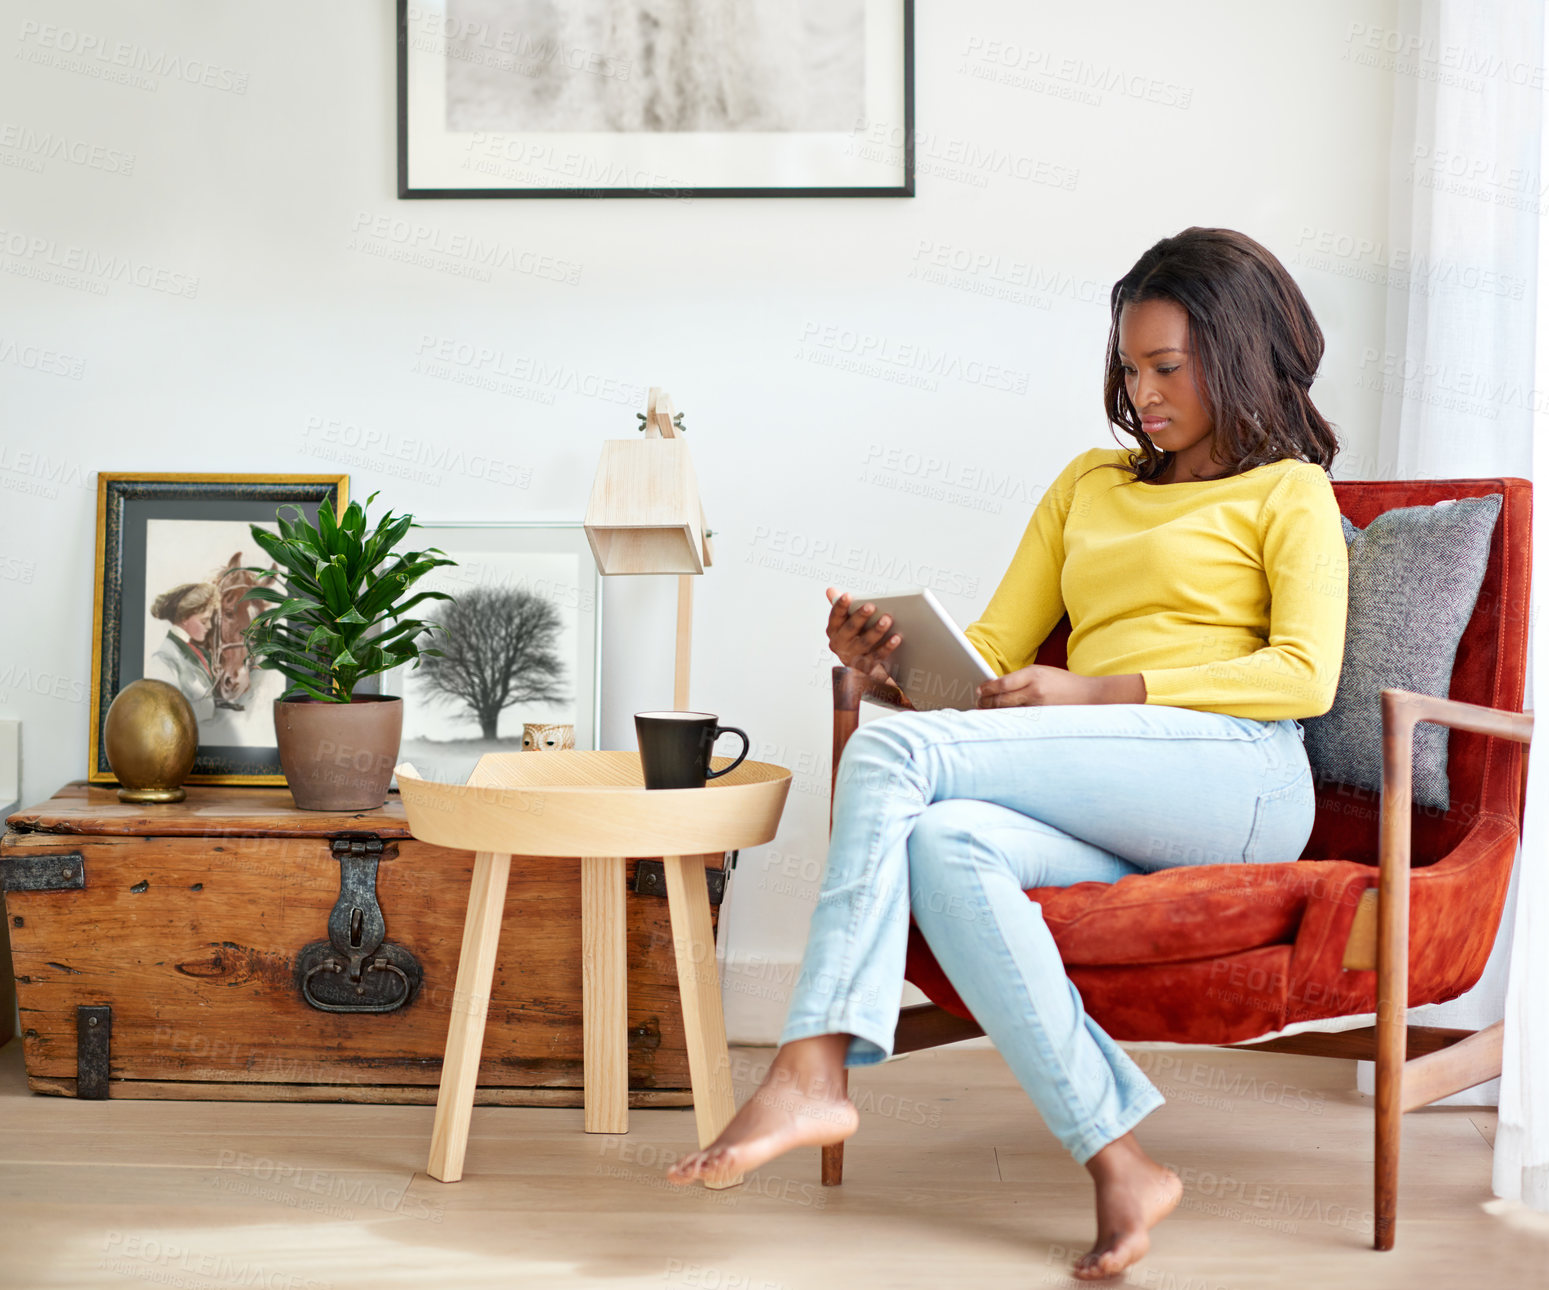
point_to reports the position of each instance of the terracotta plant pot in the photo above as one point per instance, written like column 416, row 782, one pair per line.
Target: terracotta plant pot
column 339, row 756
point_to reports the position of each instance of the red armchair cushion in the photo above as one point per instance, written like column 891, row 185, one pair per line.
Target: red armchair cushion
column 1176, row 915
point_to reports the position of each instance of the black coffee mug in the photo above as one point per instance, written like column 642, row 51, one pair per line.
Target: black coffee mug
column 675, row 748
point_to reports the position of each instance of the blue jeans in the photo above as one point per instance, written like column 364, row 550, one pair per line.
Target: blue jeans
column 952, row 815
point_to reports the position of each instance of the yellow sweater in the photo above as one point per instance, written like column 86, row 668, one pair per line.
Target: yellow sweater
column 1226, row 595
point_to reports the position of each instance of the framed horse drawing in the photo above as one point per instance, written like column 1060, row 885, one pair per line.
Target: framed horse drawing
column 174, row 554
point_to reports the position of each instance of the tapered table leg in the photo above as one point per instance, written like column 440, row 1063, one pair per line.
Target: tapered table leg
column 470, row 1007
column 604, row 995
column 699, row 987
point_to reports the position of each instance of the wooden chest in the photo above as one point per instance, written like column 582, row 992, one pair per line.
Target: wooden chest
column 204, row 950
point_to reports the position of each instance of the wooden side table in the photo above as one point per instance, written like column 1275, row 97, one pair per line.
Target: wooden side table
column 592, row 806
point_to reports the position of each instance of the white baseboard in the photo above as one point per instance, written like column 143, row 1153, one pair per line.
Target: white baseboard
column 756, row 994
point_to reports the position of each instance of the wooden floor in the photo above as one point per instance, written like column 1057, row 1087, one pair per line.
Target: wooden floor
column 952, row 1180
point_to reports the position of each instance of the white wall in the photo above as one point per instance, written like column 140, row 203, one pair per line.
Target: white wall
column 1273, row 120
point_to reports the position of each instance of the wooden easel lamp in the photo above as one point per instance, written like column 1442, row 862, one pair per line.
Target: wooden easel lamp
column 645, row 516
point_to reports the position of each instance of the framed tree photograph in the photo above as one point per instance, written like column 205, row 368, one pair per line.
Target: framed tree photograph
column 171, row 576
column 626, row 98
column 521, row 647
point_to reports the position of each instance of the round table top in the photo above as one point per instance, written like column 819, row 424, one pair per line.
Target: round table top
column 592, row 804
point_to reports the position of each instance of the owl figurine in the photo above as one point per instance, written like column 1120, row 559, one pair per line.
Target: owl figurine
column 537, row 737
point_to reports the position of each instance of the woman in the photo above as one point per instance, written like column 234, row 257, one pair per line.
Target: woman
column 183, row 657
column 1204, row 574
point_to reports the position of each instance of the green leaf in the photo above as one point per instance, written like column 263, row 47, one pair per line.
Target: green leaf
column 381, row 600
column 417, row 598
column 328, row 529
column 408, row 625
column 321, row 636
column 265, row 593
column 353, row 520
column 295, row 558
column 289, row 610
column 336, row 593
column 388, row 534
column 292, row 661
column 301, row 687
column 269, row 616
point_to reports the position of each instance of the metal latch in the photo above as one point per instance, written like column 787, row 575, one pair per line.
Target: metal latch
column 651, row 880
column 356, row 969
column 62, row 871
column 93, row 1048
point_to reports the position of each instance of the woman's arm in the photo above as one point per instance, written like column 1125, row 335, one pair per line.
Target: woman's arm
column 1296, row 673
column 1028, row 602
column 1036, row 684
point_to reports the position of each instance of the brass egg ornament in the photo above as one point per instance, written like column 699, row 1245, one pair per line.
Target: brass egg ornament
column 151, row 736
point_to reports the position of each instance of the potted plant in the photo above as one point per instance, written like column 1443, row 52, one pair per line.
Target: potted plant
column 338, row 618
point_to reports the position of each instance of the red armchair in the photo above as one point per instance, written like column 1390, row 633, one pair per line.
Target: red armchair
column 1224, row 954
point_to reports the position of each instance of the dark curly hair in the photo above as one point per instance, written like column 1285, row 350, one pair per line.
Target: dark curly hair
column 1255, row 345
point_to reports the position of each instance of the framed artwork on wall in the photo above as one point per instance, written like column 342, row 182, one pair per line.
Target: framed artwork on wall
column 620, row 98
column 168, row 604
column 521, row 645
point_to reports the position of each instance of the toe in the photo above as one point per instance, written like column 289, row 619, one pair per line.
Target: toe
column 719, row 1162
column 1099, row 1263
column 1113, row 1261
column 686, row 1167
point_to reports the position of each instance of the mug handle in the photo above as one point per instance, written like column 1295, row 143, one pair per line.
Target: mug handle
column 729, row 730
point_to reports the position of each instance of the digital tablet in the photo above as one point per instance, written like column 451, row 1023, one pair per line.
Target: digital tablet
column 935, row 664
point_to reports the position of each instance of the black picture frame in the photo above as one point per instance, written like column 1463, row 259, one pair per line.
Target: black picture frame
column 126, row 503
column 905, row 188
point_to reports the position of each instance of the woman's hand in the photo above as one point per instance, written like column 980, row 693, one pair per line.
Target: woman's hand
column 865, row 650
column 1037, row 685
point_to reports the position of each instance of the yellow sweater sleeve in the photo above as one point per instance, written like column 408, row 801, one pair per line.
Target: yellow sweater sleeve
column 1297, row 672
column 1028, row 602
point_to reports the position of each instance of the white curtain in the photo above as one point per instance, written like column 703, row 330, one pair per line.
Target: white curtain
column 1522, row 1133
column 1464, row 395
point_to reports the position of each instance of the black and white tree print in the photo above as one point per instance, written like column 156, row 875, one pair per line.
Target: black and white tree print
column 498, row 649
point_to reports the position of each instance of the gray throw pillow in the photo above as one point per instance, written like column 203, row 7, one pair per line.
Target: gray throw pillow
column 1415, row 574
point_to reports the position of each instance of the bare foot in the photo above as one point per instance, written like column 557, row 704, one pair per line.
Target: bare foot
column 1134, row 1194
column 799, row 1104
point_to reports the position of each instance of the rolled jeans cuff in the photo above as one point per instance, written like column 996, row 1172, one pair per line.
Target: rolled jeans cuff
column 871, row 1040
column 1097, row 1136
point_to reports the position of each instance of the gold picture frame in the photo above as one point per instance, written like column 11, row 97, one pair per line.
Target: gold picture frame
column 129, row 551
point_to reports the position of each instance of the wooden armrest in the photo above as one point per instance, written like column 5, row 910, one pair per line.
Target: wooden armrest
column 1401, row 711
column 1410, row 707
column 851, row 687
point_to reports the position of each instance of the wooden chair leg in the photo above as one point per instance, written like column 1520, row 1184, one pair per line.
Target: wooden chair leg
column 833, row 1156
column 604, row 996
column 699, row 989
column 1389, row 1125
column 470, row 1007
column 1393, row 853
